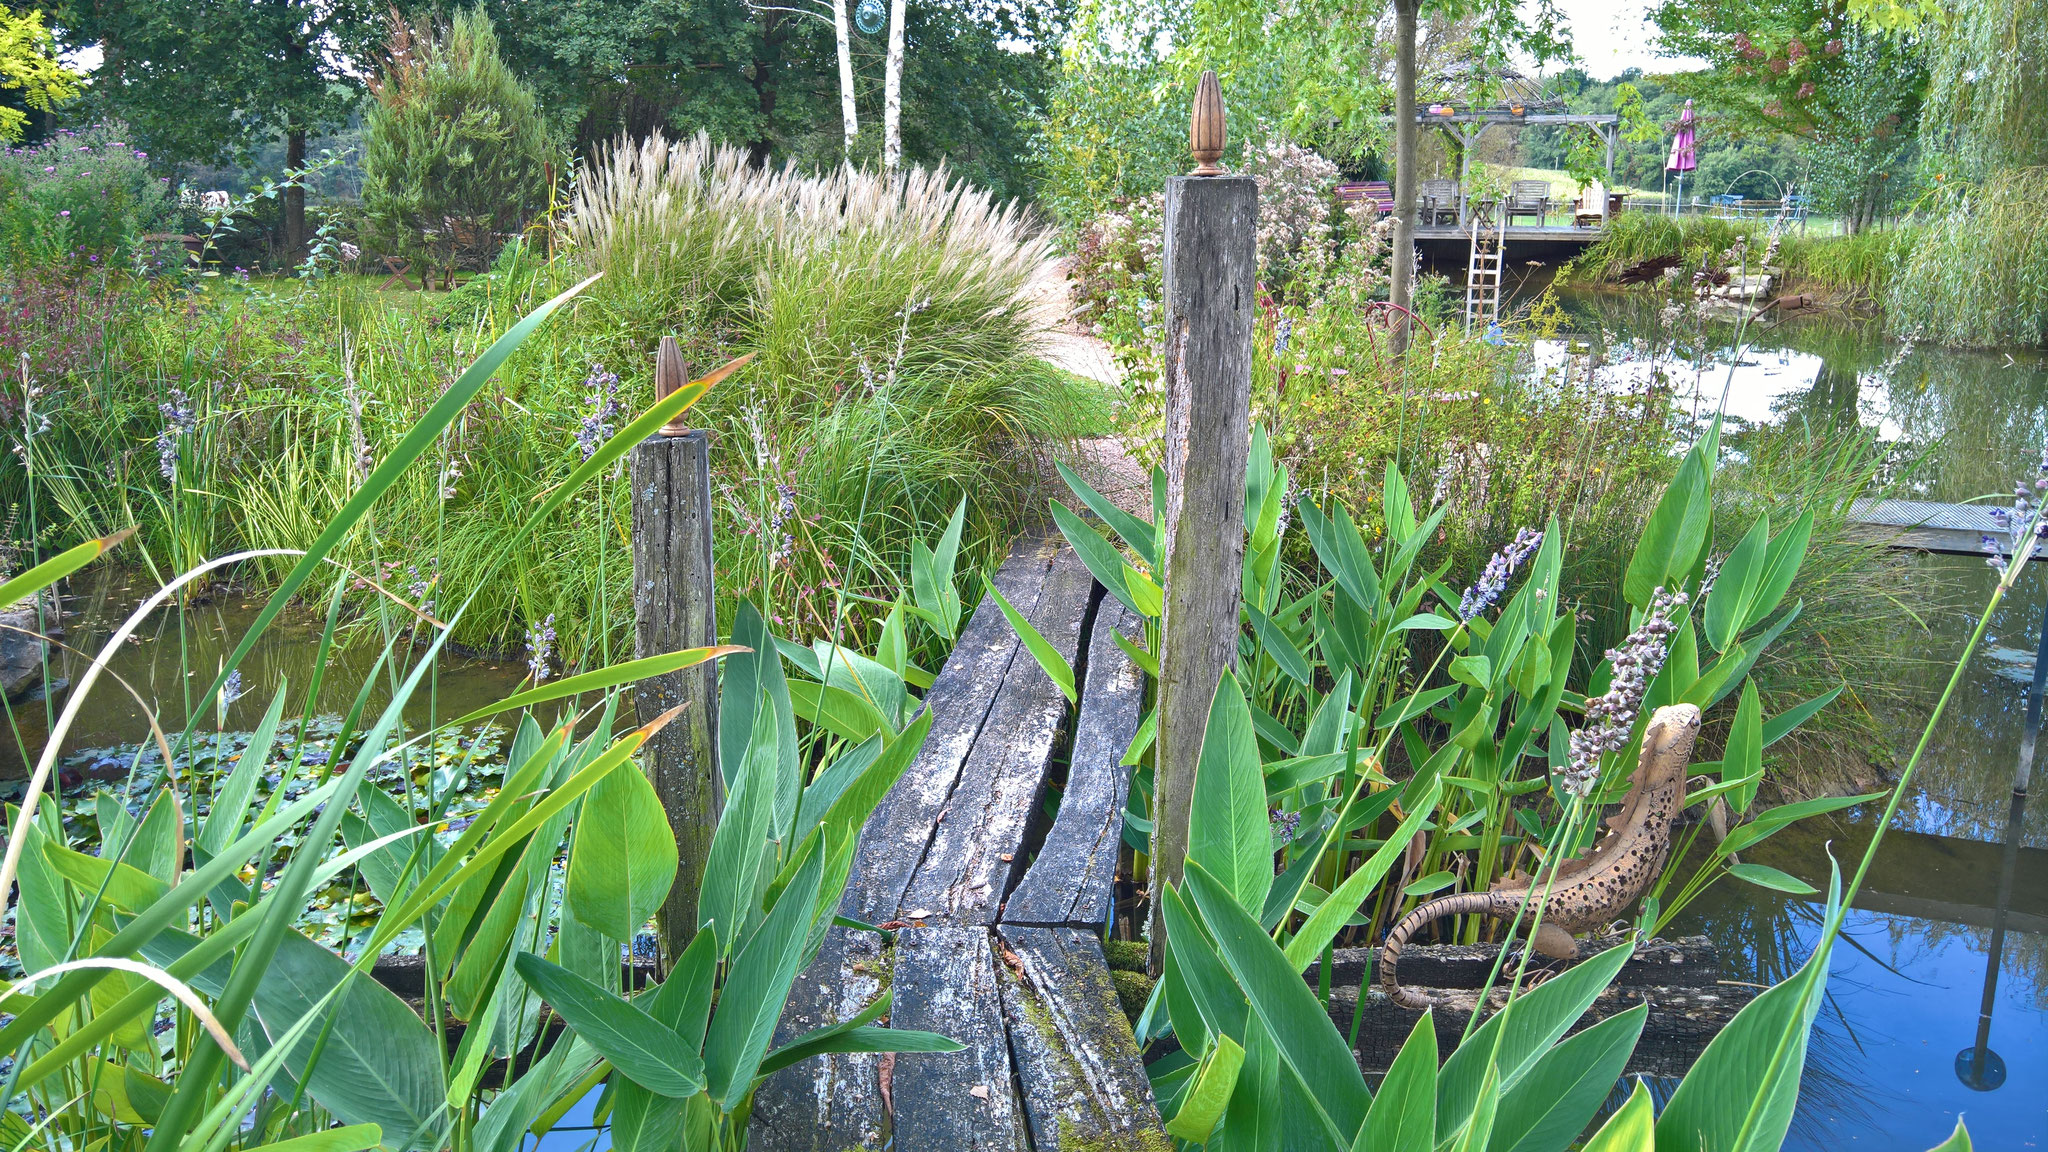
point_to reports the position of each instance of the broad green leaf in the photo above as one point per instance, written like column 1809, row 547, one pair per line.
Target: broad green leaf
column 586, row 683
column 840, row 712
column 1434, row 882
column 1276, row 644
column 1201, row 1107
column 1781, row 564
column 1196, row 971
column 378, row 1063
column 1728, row 605
column 1329, row 918
column 1773, row 820
column 1740, row 1094
column 1721, row 677
column 733, row 863
column 1102, row 560
column 123, row 886
column 757, row 988
column 1297, row 1022
column 625, row 856
column 348, row 1138
column 636, row 1044
column 1780, row 726
column 1764, row 876
column 868, row 679
column 231, row 801
column 1525, row 1029
column 1560, row 1094
column 1677, row 530
column 1632, row 1129
column 1342, row 552
column 644, row 1121
column 1330, row 725
column 1229, row 828
column 1744, row 758
column 1056, row 666
column 1141, row 537
column 1147, row 597
column 682, row 1003
column 1403, row 1115
column 1958, row 1141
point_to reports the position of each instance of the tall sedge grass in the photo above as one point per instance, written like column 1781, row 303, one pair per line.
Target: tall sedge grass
column 894, row 324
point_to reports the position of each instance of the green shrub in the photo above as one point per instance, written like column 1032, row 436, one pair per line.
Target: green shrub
column 454, row 149
column 78, row 199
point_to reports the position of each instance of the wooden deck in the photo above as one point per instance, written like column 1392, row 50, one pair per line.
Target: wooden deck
column 996, row 915
column 1954, row 529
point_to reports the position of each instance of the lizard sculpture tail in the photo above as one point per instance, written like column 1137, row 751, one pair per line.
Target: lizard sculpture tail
column 1588, row 890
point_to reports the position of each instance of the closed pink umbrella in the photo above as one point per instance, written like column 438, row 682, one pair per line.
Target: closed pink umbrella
column 1684, row 156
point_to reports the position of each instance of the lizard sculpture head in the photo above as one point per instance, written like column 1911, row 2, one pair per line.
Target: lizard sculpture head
column 1667, row 744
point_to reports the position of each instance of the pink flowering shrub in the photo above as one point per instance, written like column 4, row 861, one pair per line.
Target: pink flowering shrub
column 78, row 200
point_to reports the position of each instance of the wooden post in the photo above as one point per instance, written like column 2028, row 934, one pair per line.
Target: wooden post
column 674, row 608
column 1211, row 271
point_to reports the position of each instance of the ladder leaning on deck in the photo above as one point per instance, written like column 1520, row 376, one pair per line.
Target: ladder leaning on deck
column 1483, row 271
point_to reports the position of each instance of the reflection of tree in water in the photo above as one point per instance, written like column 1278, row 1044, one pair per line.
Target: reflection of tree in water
column 1965, row 780
column 1980, row 417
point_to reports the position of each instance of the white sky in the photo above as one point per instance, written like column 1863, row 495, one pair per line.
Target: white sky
column 1612, row 35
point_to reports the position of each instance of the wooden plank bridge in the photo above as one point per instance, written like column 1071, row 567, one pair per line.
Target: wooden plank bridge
column 996, row 912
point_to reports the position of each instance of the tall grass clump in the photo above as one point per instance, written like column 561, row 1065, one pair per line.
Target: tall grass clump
column 1978, row 278
column 1633, row 238
column 1861, row 267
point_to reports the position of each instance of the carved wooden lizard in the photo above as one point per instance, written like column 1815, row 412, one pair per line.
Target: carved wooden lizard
column 1591, row 889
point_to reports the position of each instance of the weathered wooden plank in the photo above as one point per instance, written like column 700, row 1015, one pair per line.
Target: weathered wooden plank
column 978, row 837
column 894, row 840
column 826, row 1103
column 1085, row 1088
column 945, row 982
column 673, row 609
column 1071, row 882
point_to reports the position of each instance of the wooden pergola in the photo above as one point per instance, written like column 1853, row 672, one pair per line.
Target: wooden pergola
column 1466, row 127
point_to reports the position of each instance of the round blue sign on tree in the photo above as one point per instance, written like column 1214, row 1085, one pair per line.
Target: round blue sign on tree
column 869, row 15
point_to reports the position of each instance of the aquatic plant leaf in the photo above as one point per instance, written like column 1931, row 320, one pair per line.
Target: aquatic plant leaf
column 1561, row 1093
column 1229, row 828
column 757, row 988
column 1677, row 530
column 1764, row 876
column 1055, row 666
column 1728, row 605
column 1136, row 534
column 1276, row 644
column 1744, row 756
column 625, row 856
column 1403, row 1115
column 1100, row 557
column 348, row 1138
column 732, row 865
column 1329, row 918
column 58, row 567
column 635, row 1044
column 1631, row 1129
column 1740, row 1094
column 1958, row 1141
column 1525, row 1029
column 1201, row 1107
column 1297, row 1022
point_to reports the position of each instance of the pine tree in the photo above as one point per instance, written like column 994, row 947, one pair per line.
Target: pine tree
column 454, row 151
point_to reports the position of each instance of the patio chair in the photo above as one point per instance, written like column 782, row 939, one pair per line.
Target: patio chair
column 1527, row 198
column 1439, row 202
column 1591, row 210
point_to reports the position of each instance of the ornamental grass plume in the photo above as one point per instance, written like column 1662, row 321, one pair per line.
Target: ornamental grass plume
column 1611, row 716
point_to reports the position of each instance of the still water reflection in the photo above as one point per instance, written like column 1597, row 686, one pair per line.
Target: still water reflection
column 1947, row 948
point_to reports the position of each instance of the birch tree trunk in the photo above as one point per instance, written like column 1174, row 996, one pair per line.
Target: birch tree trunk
column 849, row 119
column 892, row 92
column 1401, row 291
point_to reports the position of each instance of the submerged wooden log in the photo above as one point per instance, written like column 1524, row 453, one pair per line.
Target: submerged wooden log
column 1680, row 980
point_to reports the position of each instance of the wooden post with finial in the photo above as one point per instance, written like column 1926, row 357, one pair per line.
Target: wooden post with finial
column 674, row 609
column 1211, row 290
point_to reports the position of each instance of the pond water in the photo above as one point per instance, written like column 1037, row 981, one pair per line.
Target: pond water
column 1915, row 979
column 1910, row 977
column 174, row 656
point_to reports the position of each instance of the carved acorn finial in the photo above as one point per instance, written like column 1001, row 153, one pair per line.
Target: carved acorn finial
column 1205, row 129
